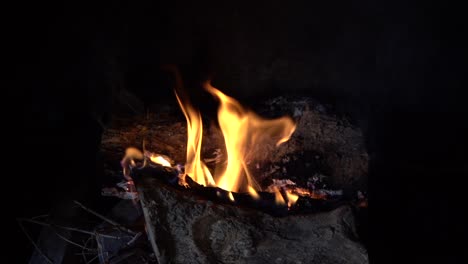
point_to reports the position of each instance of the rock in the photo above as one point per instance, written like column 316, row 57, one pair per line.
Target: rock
column 189, row 230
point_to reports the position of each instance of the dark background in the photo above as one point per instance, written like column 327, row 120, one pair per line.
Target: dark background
column 398, row 69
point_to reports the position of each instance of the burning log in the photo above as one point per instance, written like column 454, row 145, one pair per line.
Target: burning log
column 223, row 213
column 323, row 144
column 280, row 202
column 188, row 229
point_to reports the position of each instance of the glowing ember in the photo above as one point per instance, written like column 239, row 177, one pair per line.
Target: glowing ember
column 292, row 189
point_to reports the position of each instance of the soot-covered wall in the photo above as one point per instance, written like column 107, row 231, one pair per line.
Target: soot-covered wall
column 394, row 67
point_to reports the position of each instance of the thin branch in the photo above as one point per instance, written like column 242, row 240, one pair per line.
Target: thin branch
column 122, row 257
column 112, row 222
column 90, row 238
column 135, row 238
column 98, row 120
column 40, row 216
column 92, row 259
column 74, row 243
column 34, row 243
column 84, row 256
column 100, row 252
column 150, row 232
column 66, row 228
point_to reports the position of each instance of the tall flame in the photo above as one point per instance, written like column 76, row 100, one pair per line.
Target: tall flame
column 242, row 130
column 194, row 166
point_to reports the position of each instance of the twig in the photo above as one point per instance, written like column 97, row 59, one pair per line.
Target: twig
column 98, row 120
column 84, row 257
column 40, row 216
column 112, row 222
column 34, row 243
column 150, row 232
column 138, row 235
column 65, row 227
column 92, row 259
column 100, row 252
column 122, row 257
column 85, row 244
column 74, row 243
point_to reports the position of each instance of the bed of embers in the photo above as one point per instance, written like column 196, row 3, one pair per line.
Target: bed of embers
column 299, row 192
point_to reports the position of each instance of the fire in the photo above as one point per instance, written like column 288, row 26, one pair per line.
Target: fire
column 194, row 166
column 231, row 197
column 253, row 192
column 278, row 197
column 158, row 159
column 292, row 198
column 241, row 129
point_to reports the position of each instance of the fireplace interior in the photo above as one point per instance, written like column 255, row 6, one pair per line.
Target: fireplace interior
column 352, row 150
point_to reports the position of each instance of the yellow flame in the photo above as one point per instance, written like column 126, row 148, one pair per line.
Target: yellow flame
column 292, row 198
column 160, row 160
column 242, row 129
column 231, row 197
column 253, row 192
column 194, row 167
column 279, row 198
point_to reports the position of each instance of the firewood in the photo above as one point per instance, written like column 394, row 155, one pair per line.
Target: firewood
column 187, row 229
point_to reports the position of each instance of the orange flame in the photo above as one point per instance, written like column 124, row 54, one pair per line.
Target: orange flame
column 253, row 193
column 278, row 197
column 292, row 198
column 194, row 166
column 241, row 130
column 231, row 197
